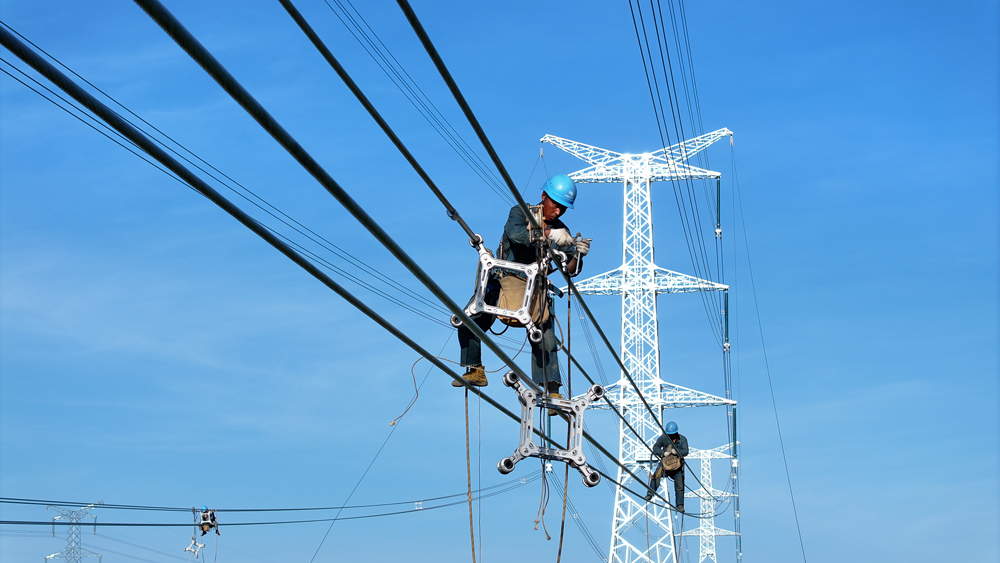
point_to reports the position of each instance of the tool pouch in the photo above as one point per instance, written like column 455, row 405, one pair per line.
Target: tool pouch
column 512, row 297
column 671, row 462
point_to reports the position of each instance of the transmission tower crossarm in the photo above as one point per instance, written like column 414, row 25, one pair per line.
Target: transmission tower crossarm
column 710, row 492
column 674, row 396
column 664, row 281
column 661, row 170
column 591, row 154
column 708, row 531
column 668, row 281
column 599, row 173
column 720, row 452
column 685, row 150
column 608, row 283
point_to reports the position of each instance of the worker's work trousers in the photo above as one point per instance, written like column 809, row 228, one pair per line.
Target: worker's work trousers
column 677, row 475
column 544, row 357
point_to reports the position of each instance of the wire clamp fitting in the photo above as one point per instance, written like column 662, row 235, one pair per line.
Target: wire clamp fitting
column 572, row 408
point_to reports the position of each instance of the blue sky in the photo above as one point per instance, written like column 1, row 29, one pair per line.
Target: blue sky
column 155, row 352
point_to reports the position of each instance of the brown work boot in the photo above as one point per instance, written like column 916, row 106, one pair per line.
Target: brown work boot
column 475, row 375
column 554, row 412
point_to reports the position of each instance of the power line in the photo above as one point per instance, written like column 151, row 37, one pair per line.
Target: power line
column 414, row 94
column 460, row 98
column 268, row 523
column 276, row 213
column 187, row 42
column 172, row 26
column 42, row 502
column 215, row 69
column 507, row 488
column 125, row 143
column 767, row 366
column 113, row 135
column 342, row 73
column 82, row 120
column 102, row 111
column 693, row 236
column 211, row 65
column 295, row 521
column 587, row 536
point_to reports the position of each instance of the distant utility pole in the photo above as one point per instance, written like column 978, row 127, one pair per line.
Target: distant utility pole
column 74, row 552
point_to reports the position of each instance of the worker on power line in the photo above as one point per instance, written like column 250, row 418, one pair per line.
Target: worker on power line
column 670, row 448
column 558, row 195
column 208, row 521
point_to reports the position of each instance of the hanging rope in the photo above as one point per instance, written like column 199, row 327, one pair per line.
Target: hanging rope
column 542, row 503
column 547, row 424
column 416, row 393
column 479, row 449
column 468, row 472
column 680, row 536
column 569, row 393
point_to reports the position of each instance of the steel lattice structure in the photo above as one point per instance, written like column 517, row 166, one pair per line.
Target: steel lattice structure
column 710, row 499
column 74, row 551
column 639, row 281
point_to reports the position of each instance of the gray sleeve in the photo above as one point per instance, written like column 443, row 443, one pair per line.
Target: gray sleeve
column 516, row 227
column 682, row 446
column 658, row 446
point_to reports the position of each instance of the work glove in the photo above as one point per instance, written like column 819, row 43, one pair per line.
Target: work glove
column 560, row 237
column 582, row 244
column 671, row 451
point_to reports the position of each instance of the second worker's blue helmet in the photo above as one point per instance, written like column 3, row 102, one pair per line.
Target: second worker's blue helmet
column 671, row 427
column 560, row 189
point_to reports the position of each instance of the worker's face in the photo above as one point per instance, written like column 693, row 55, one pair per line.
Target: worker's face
column 550, row 209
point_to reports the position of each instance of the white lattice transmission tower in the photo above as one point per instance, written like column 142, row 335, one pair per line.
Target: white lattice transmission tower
column 639, row 280
column 74, row 552
column 710, row 499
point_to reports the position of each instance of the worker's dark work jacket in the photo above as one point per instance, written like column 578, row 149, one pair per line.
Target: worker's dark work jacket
column 660, row 447
column 515, row 244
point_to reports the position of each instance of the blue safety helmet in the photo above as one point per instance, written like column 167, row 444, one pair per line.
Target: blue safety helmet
column 204, row 509
column 560, row 189
column 671, row 427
